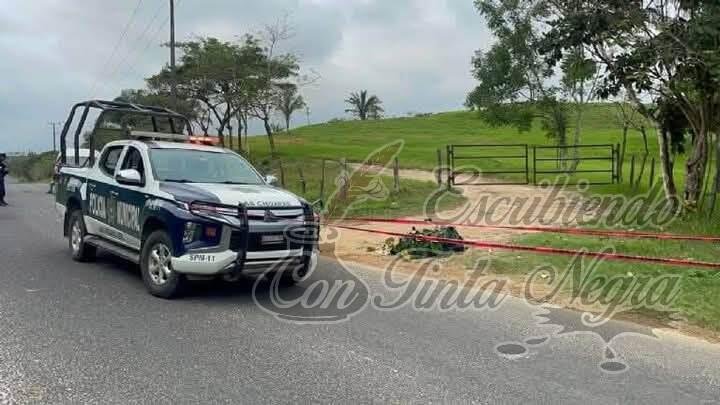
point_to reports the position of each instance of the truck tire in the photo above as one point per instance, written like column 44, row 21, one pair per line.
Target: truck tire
column 81, row 251
column 156, row 266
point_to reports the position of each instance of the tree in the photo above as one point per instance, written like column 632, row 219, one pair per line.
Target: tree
column 364, row 106
column 579, row 81
column 273, row 70
column 188, row 107
column 288, row 101
column 664, row 50
column 513, row 77
column 222, row 76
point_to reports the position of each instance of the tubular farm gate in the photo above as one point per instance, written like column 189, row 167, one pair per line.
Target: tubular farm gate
column 510, row 162
column 590, row 164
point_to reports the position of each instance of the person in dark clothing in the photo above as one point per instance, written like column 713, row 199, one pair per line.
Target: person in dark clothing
column 3, row 172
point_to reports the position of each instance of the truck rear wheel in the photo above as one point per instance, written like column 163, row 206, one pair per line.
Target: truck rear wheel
column 156, row 266
column 81, row 251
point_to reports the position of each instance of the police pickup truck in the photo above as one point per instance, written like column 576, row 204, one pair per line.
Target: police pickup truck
column 181, row 209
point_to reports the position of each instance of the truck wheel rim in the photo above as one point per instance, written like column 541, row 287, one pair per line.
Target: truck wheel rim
column 76, row 237
column 160, row 266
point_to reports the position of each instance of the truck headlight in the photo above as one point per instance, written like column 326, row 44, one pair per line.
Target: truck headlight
column 199, row 208
column 190, row 232
column 225, row 214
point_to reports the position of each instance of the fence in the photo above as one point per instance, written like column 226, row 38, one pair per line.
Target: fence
column 591, row 164
column 317, row 179
column 510, row 161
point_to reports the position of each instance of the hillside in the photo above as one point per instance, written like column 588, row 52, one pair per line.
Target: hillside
column 423, row 135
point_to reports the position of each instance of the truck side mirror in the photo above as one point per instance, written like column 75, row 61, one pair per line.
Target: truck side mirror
column 129, row 177
column 271, row 180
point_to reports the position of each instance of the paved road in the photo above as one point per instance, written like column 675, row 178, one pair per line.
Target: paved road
column 90, row 333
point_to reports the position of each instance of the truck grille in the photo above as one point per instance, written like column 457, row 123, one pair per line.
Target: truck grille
column 255, row 243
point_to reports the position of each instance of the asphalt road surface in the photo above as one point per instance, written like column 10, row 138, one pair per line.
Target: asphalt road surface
column 89, row 333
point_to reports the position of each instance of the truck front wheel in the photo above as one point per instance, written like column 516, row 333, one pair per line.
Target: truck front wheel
column 156, row 266
column 81, row 251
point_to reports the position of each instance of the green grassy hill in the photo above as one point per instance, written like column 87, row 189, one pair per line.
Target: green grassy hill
column 423, row 135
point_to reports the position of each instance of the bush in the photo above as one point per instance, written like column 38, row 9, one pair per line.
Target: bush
column 33, row 167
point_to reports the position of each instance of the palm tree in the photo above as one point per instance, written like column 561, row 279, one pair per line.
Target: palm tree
column 288, row 101
column 364, row 107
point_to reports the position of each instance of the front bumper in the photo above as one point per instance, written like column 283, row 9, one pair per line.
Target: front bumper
column 242, row 251
column 218, row 263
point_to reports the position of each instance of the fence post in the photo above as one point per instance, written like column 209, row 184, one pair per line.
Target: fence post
column 632, row 171
column 396, row 175
column 303, row 185
column 439, row 167
column 619, row 163
column 450, row 167
column 613, row 164
column 322, row 181
column 345, row 179
column 527, row 165
column 535, row 165
column 282, row 172
column 652, row 173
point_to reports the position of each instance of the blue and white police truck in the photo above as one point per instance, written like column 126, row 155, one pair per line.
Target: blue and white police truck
column 179, row 207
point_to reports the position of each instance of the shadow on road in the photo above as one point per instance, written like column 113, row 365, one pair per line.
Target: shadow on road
column 216, row 291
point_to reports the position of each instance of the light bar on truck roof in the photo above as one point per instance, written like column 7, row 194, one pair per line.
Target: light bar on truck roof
column 205, row 140
column 158, row 136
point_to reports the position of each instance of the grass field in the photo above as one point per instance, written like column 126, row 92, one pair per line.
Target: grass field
column 697, row 301
column 407, row 200
column 424, row 135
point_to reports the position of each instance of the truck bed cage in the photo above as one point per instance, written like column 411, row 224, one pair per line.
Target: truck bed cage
column 120, row 107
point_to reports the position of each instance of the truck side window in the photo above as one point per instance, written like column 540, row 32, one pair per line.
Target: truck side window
column 110, row 160
column 134, row 160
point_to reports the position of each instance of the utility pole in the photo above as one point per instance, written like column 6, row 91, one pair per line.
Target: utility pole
column 54, row 124
column 172, row 54
column 307, row 112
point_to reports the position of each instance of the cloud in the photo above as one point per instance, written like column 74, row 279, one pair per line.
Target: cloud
column 414, row 54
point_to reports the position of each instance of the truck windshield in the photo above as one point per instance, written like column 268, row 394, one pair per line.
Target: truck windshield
column 193, row 166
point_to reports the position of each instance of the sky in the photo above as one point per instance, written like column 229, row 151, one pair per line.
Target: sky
column 414, row 54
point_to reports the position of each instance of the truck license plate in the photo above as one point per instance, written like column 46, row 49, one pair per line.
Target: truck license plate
column 272, row 239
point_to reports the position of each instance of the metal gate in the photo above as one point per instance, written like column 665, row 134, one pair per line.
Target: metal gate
column 510, row 163
column 590, row 164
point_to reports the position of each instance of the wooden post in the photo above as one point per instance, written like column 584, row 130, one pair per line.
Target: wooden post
column 439, row 167
column 303, row 185
column 632, row 171
column 322, row 181
column 396, row 175
column 450, row 166
column 282, row 173
column 652, row 173
column 620, row 155
column 345, row 180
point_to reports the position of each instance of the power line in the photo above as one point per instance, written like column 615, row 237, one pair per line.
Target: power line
column 172, row 53
column 117, row 44
column 152, row 38
column 54, row 125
